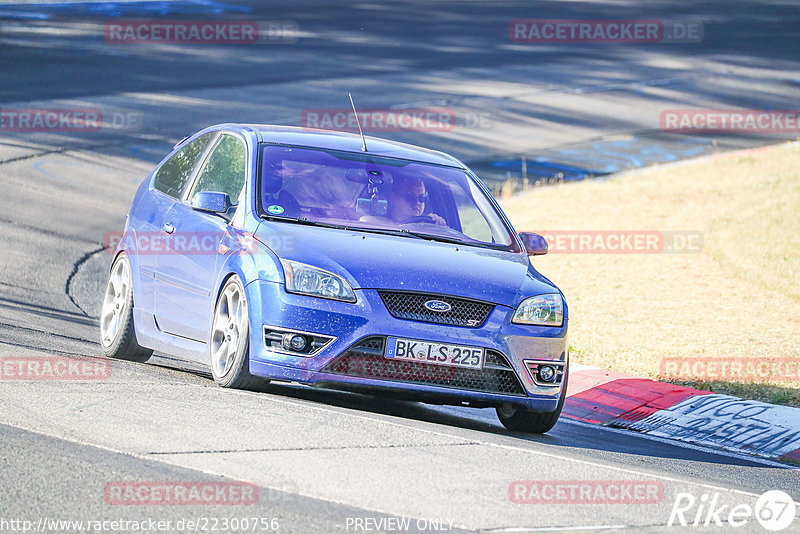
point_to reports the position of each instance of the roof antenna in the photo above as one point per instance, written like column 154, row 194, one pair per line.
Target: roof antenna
column 363, row 140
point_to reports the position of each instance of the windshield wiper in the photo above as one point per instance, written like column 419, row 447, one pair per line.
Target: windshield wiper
column 436, row 237
column 309, row 222
column 400, row 233
column 455, row 240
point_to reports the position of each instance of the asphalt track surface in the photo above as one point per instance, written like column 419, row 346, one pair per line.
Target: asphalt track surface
column 324, row 459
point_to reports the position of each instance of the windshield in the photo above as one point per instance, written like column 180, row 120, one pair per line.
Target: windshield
column 361, row 191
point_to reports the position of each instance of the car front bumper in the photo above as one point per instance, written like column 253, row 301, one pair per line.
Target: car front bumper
column 353, row 359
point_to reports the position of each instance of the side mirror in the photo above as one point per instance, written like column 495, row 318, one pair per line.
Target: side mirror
column 534, row 243
column 212, row 202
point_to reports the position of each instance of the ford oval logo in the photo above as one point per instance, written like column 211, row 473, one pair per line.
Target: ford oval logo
column 438, row 306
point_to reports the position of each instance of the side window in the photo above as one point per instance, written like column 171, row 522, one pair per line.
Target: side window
column 473, row 223
column 175, row 173
column 224, row 170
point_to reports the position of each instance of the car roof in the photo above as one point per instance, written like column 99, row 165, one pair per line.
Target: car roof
column 349, row 142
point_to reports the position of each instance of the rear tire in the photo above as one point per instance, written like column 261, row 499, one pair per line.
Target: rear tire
column 117, row 331
column 229, row 346
column 534, row 422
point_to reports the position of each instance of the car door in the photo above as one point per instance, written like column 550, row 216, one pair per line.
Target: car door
column 186, row 271
column 147, row 219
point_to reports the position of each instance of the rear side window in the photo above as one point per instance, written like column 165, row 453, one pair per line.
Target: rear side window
column 225, row 168
column 173, row 176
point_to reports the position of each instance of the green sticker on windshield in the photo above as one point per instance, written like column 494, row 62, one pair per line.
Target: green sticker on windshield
column 275, row 209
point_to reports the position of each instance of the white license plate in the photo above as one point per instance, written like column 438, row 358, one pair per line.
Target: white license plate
column 434, row 353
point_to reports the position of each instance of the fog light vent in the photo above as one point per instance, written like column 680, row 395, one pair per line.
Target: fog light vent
column 545, row 373
column 295, row 342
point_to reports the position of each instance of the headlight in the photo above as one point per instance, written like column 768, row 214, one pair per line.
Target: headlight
column 307, row 280
column 544, row 310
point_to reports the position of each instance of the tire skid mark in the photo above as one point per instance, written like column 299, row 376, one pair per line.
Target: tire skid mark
column 48, row 349
column 48, row 233
column 75, row 268
column 45, row 332
column 45, row 311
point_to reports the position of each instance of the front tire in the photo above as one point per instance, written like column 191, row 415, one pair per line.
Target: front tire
column 229, row 346
column 117, row 332
column 533, row 422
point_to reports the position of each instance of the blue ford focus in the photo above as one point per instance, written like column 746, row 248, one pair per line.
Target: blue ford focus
column 277, row 253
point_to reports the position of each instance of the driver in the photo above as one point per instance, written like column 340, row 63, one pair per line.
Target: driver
column 407, row 200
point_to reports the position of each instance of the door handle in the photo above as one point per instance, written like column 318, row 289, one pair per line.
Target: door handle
column 167, row 227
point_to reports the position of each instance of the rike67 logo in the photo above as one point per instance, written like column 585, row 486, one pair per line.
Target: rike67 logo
column 774, row 510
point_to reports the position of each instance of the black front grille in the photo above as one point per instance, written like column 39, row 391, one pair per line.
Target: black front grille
column 411, row 306
column 365, row 360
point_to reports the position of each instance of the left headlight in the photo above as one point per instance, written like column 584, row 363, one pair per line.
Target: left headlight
column 308, row 280
column 543, row 310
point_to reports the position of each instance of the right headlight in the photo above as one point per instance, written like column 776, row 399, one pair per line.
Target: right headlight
column 309, row 280
column 542, row 310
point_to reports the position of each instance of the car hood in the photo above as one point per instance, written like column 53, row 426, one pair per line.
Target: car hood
column 376, row 261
